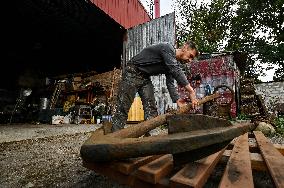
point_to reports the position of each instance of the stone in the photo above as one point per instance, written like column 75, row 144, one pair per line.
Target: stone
column 265, row 128
column 29, row 185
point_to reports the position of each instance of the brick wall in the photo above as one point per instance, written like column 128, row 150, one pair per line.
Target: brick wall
column 272, row 93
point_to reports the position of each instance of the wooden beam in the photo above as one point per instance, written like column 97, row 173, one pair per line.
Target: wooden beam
column 273, row 158
column 256, row 159
column 238, row 171
column 280, row 148
column 130, row 165
column 107, row 148
column 104, row 169
column 154, row 171
column 195, row 174
column 123, row 179
column 145, row 126
column 257, row 162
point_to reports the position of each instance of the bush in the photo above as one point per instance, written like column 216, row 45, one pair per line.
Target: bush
column 242, row 116
column 279, row 124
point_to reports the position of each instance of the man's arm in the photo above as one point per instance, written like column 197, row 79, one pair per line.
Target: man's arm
column 172, row 88
column 177, row 73
column 192, row 95
column 174, row 66
column 174, row 94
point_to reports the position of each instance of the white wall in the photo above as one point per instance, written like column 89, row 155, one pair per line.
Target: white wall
column 272, row 93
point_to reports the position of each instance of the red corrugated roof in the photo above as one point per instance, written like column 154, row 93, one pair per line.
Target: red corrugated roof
column 127, row 13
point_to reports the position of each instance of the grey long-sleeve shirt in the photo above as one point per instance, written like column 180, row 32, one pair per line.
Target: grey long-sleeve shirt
column 160, row 59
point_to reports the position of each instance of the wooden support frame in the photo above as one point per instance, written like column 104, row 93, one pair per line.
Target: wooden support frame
column 107, row 147
column 238, row 171
column 273, row 159
column 133, row 172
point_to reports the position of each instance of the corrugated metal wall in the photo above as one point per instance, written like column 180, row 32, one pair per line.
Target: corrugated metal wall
column 158, row 30
column 127, row 13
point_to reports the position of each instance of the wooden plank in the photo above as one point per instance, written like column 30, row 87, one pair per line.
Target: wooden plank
column 123, row 179
column 273, row 158
column 279, row 147
column 163, row 183
column 257, row 162
column 253, row 147
column 130, row 165
column 104, row 169
column 195, row 174
column 155, row 170
column 238, row 170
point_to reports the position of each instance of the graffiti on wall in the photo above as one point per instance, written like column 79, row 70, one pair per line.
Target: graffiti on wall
column 206, row 75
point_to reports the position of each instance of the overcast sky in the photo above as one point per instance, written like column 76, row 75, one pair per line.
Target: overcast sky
column 166, row 6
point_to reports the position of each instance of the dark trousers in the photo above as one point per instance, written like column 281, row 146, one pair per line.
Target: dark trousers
column 133, row 81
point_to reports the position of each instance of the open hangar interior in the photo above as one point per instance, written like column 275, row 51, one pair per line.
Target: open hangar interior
column 50, row 38
column 43, row 40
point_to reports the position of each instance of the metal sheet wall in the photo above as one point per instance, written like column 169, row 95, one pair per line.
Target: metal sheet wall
column 220, row 70
column 158, row 30
column 127, row 13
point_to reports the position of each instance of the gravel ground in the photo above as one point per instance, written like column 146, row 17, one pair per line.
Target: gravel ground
column 52, row 161
column 276, row 139
column 48, row 156
column 18, row 132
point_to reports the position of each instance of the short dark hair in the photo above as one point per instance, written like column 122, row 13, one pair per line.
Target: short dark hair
column 192, row 45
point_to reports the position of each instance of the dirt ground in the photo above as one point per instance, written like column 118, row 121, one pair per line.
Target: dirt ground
column 51, row 161
column 48, row 156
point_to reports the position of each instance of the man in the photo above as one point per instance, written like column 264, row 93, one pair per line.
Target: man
column 156, row 59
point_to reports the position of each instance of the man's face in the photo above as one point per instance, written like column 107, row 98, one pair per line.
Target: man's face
column 187, row 55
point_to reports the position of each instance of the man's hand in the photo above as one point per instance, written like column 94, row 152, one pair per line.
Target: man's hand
column 194, row 103
column 192, row 96
column 181, row 103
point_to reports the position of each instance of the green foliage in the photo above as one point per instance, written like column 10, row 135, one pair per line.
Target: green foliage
column 279, row 124
column 251, row 26
column 243, row 117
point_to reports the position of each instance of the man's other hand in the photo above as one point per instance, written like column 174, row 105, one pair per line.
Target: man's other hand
column 181, row 103
column 194, row 103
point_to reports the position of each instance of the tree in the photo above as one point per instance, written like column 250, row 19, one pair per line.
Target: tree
column 254, row 27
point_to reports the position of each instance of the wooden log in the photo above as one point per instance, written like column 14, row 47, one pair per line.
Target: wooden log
column 238, row 171
column 154, row 171
column 107, row 148
column 144, row 127
column 273, row 158
column 193, row 122
column 195, row 174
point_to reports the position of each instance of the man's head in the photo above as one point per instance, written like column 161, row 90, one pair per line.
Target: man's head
column 187, row 52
